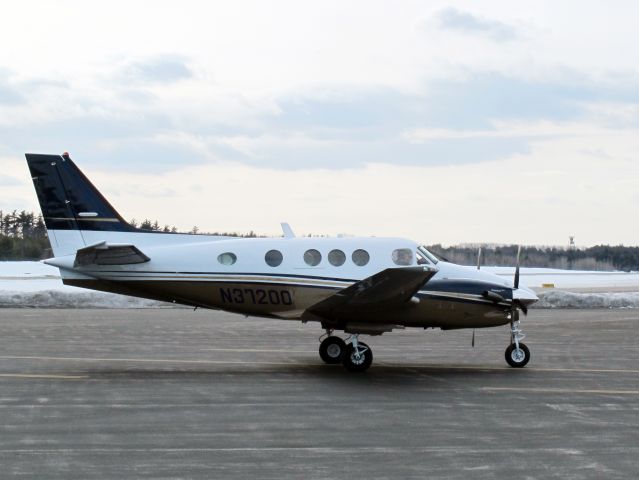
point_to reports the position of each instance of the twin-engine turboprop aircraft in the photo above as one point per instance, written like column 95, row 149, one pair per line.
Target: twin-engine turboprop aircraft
column 356, row 285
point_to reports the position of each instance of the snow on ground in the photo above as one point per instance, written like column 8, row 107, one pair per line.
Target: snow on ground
column 572, row 279
column 34, row 284
column 576, row 288
column 563, row 299
column 73, row 299
column 29, row 277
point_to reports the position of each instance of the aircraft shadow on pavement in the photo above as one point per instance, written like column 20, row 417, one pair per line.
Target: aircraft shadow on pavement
column 395, row 374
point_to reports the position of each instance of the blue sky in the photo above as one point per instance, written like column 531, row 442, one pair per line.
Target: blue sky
column 353, row 112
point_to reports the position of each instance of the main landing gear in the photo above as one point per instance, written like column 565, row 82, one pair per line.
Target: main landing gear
column 517, row 353
column 356, row 356
column 332, row 349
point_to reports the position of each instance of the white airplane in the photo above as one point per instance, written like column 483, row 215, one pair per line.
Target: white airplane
column 355, row 285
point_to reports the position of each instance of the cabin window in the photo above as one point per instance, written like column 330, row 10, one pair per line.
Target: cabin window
column 312, row 257
column 336, row 258
column 402, row 256
column 360, row 257
column 273, row 258
column 227, row 258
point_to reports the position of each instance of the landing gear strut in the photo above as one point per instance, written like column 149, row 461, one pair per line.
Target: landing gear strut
column 517, row 353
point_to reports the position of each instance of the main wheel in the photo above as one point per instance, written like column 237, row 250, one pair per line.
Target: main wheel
column 355, row 363
column 517, row 358
column 332, row 349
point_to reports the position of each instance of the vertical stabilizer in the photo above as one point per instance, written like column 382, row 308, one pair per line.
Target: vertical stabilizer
column 70, row 203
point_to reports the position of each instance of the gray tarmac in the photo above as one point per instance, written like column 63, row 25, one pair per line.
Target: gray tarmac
column 175, row 393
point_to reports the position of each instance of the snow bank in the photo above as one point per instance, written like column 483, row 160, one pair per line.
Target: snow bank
column 34, row 284
column 74, row 299
column 560, row 299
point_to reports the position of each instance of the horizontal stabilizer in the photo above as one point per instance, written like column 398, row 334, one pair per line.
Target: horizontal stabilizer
column 109, row 254
column 389, row 288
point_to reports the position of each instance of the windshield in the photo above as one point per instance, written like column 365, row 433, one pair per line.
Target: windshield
column 427, row 254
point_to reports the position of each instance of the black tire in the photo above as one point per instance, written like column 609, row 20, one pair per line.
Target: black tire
column 517, row 360
column 332, row 349
column 354, row 364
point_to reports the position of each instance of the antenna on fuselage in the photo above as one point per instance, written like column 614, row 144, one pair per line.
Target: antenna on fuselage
column 287, row 230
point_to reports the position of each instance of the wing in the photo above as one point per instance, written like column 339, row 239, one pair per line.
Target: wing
column 109, row 254
column 386, row 290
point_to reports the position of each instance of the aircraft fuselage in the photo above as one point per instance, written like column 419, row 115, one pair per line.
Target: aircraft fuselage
column 186, row 269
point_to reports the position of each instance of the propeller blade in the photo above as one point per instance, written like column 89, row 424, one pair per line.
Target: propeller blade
column 517, row 268
column 479, row 258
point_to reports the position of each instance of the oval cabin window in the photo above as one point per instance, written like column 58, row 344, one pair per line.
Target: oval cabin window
column 360, row 257
column 273, row 258
column 227, row 258
column 402, row 256
column 336, row 258
column 312, row 257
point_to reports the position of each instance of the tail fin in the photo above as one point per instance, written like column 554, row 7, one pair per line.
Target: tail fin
column 70, row 202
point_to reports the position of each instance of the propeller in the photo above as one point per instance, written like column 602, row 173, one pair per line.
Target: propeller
column 479, row 258
column 517, row 304
column 517, row 268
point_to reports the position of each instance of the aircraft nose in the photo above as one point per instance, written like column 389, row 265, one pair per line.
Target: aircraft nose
column 525, row 295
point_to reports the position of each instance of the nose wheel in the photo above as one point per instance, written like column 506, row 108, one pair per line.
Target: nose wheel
column 517, row 356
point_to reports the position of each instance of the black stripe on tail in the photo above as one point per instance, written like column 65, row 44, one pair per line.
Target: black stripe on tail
column 68, row 200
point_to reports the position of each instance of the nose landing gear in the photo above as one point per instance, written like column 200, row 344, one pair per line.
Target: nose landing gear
column 517, row 354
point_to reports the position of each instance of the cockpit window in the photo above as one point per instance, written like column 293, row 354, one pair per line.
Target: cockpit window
column 402, row 256
column 421, row 258
column 427, row 254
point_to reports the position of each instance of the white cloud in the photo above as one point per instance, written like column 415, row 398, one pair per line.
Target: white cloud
column 556, row 190
column 518, row 129
column 465, row 22
column 582, row 184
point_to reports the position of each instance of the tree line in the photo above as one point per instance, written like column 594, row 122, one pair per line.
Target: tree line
column 23, row 236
